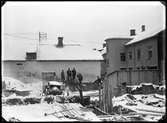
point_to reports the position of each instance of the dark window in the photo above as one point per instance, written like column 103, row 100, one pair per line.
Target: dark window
column 19, row 64
column 122, row 56
column 152, row 67
column 130, row 55
column 123, row 68
column 138, row 54
column 31, row 56
column 149, row 54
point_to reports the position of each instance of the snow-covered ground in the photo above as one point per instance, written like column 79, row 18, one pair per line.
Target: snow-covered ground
column 55, row 112
column 149, row 107
column 152, row 106
column 86, row 93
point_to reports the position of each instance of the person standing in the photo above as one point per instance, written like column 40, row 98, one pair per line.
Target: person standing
column 73, row 73
column 62, row 76
column 68, row 74
column 80, row 88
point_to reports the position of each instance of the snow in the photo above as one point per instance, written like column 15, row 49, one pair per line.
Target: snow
column 36, row 112
column 149, row 107
column 86, row 93
column 151, row 104
column 146, row 34
column 68, row 52
column 119, row 37
column 14, row 84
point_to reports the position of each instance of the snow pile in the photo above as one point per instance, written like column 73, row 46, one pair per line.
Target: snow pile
column 13, row 86
column 151, row 105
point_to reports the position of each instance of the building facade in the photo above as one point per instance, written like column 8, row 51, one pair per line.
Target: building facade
column 46, row 61
column 133, row 60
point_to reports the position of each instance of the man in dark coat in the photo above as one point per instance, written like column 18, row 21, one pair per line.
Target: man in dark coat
column 73, row 73
column 62, row 76
column 68, row 74
column 79, row 87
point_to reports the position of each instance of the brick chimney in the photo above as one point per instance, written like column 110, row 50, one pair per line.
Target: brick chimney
column 132, row 32
column 60, row 42
column 143, row 28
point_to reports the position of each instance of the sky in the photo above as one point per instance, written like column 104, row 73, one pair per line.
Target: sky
column 88, row 23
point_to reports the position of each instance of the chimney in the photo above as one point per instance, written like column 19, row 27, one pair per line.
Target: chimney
column 143, row 28
column 132, row 32
column 60, row 42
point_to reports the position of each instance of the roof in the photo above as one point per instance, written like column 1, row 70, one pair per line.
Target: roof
column 67, row 53
column 119, row 37
column 146, row 34
column 15, row 49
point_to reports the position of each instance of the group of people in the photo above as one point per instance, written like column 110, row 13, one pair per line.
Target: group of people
column 71, row 75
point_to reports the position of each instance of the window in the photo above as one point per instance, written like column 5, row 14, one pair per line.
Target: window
column 138, row 54
column 19, row 64
column 122, row 56
column 30, row 56
column 123, row 68
column 152, row 67
column 49, row 76
column 130, row 55
column 150, row 54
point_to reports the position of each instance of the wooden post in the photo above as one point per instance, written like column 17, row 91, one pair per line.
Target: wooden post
column 99, row 95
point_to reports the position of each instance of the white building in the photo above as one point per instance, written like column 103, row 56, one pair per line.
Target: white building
column 25, row 58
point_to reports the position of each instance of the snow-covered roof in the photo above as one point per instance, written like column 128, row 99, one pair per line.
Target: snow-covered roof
column 146, row 34
column 119, row 37
column 51, row 52
column 15, row 49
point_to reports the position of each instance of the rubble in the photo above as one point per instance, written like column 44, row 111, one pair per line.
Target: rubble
column 133, row 106
column 146, row 88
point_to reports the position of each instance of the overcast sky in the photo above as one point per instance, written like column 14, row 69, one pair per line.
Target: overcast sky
column 82, row 22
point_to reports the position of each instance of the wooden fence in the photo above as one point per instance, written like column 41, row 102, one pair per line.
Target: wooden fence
column 134, row 77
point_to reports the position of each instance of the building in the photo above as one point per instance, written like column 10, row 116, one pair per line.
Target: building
column 116, row 53
column 132, row 60
column 25, row 59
